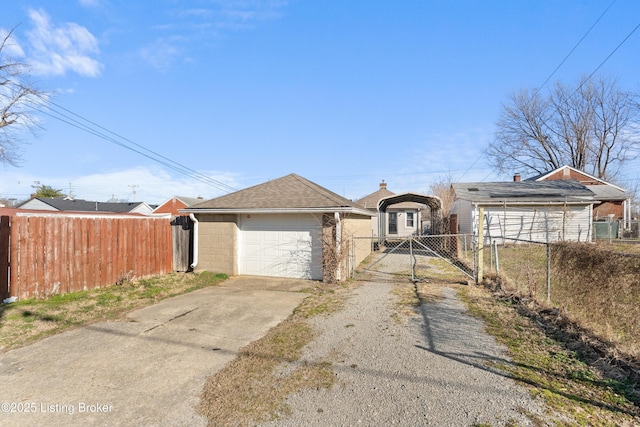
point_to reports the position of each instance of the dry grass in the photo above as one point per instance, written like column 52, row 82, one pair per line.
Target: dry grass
column 524, row 266
column 253, row 387
column 595, row 286
column 623, row 247
column 411, row 296
column 26, row 321
column 600, row 290
column 554, row 365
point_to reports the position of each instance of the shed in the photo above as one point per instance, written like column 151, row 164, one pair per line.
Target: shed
column 528, row 210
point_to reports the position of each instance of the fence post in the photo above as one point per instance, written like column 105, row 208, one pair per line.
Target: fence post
column 480, row 253
column 490, row 253
column 548, row 272
column 5, row 250
column 495, row 244
column 413, row 265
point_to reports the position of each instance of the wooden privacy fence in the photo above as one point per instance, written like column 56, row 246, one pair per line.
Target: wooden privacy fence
column 182, row 237
column 47, row 255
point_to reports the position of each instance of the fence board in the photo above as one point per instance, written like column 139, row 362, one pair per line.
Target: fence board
column 48, row 255
column 64, row 256
column 108, row 248
column 181, row 237
column 5, row 234
column 14, row 283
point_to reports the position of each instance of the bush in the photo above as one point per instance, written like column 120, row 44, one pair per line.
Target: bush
column 601, row 290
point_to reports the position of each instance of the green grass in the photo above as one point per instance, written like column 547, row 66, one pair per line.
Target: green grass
column 569, row 385
column 28, row 320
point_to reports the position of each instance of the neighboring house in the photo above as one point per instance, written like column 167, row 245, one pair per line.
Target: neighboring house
column 612, row 202
column 287, row 227
column 79, row 205
column 528, row 210
column 175, row 203
column 400, row 219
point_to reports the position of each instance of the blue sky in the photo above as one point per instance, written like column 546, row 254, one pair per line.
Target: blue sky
column 344, row 93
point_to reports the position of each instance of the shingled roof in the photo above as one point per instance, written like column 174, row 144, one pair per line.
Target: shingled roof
column 289, row 193
column 79, row 205
column 525, row 191
column 371, row 201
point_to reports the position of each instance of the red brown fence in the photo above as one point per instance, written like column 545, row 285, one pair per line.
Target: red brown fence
column 46, row 255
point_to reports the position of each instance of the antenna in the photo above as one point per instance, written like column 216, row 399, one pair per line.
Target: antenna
column 70, row 195
column 134, row 191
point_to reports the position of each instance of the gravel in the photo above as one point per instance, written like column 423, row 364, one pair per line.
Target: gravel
column 432, row 370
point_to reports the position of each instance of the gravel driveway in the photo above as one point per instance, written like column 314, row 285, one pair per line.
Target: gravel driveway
column 433, row 370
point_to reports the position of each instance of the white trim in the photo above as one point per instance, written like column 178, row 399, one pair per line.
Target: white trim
column 530, row 203
column 364, row 212
column 543, row 177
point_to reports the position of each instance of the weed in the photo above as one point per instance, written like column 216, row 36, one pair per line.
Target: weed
column 28, row 320
column 570, row 386
column 259, row 386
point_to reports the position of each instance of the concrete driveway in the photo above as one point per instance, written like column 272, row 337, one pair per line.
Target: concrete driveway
column 148, row 369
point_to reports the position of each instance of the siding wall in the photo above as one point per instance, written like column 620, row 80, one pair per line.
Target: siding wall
column 539, row 223
column 218, row 243
column 465, row 216
column 358, row 226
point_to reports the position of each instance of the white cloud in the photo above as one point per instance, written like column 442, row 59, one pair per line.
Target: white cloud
column 161, row 54
column 57, row 50
column 151, row 185
column 207, row 23
column 90, row 4
column 12, row 46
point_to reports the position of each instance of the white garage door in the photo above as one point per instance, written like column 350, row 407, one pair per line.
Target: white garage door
column 281, row 246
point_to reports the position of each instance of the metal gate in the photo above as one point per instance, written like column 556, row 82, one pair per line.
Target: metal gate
column 444, row 258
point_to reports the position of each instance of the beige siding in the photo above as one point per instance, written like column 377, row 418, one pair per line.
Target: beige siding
column 218, row 244
column 359, row 226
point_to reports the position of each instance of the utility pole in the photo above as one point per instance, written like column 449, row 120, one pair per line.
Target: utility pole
column 134, row 191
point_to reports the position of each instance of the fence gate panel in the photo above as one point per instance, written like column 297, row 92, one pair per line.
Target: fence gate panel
column 182, row 241
column 446, row 258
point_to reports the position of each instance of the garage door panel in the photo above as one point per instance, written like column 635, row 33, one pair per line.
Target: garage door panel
column 287, row 246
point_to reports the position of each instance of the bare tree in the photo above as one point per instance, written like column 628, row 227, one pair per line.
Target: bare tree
column 442, row 188
column 16, row 92
column 590, row 126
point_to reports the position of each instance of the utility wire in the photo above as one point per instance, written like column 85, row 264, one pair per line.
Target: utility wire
column 107, row 138
column 572, row 50
column 45, row 107
column 222, row 185
column 611, row 54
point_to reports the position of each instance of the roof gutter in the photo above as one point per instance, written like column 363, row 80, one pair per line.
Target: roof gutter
column 362, row 211
column 532, row 203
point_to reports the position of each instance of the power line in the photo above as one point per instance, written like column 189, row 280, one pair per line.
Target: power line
column 611, row 54
column 574, row 48
column 97, row 130
column 220, row 183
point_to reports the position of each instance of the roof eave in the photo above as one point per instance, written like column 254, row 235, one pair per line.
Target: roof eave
column 531, row 202
column 340, row 209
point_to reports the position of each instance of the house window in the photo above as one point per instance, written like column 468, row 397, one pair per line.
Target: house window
column 409, row 219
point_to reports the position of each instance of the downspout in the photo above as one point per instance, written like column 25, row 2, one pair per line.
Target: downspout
column 195, row 240
column 336, row 216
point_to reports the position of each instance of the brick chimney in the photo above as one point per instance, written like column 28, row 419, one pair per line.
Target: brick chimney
column 383, row 185
column 516, row 177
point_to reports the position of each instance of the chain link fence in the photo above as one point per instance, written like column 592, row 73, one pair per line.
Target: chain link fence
column 524, row 264
column 416, row 258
